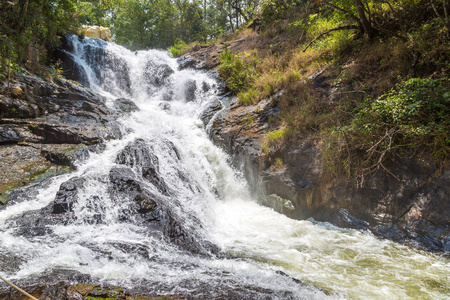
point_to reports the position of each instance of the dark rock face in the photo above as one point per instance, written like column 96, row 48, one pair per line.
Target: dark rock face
column 210, row 111
column 148, row 207
column 190, row 89
column 117, row 66
column 67, row 196
column 46, row 126
column 125, row 183
column 140, row 157
column 157, row 74
column 187, row 61
column 125, row 105
column 8, row 135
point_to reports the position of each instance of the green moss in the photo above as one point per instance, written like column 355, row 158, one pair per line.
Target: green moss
column 33, row 172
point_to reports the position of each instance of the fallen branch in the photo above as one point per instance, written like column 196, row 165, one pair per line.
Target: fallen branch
column 18, row 288
column 348, row 27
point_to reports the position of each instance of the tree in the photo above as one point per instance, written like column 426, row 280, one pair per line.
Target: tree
column 36, row 24
column 348, row 8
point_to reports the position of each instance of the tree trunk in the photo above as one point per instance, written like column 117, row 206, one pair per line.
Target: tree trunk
column 204, row 11
column 22, row 18
column 230, row 18
column 237, row 15
column 368, row 28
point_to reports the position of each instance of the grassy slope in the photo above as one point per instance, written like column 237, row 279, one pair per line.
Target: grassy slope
column 330, row 89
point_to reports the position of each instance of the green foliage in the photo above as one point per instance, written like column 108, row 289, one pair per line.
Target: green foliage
column 274, row 11
column 248, row 120
column 55, row 70
column 249, row 97
column 237, row 73
column 278, row 163
column 275, row 139
column 98, row 12
column 412, row 118
column 144, row 24
column 416, row 102
column 179, row 48
column 25, row 25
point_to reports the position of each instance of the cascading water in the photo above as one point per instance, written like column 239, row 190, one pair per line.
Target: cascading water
column 162, row 212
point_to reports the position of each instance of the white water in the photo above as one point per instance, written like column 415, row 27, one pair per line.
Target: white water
column 219, row 209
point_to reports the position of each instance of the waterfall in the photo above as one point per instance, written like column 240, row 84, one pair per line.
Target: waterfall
column 161, row 211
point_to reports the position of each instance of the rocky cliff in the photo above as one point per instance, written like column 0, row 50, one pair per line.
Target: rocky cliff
column 45, row 127
column 409, row 201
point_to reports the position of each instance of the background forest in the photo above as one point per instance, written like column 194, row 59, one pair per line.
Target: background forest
column 392, row 54
column 29, row 25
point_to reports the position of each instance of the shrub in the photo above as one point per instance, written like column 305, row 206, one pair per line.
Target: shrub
column 278, row 163
column 413, row 117
column 180, row 48
column 248, row 97
column 237, row 73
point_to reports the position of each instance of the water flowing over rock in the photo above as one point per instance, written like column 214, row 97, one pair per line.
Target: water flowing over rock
column 154, row 206
column 125, row 105
column 411, row 206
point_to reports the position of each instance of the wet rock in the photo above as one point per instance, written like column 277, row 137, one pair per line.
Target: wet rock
column 157, row 74
column 168, row 96
column 117, row 65
column 205, row 86
column 8, row 135
column 190, row 89
column 164, row 106
column 210, row 111
column 67, row 195
column 153, row 210
column 125, row 105
column 65, row 156
column 125, row 183
column 140, row 157
column 187, row 61
column 15, row 108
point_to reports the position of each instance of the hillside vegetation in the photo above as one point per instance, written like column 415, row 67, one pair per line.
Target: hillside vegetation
column 364, row 80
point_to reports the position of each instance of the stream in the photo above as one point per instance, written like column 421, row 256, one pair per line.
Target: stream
column 207, row 237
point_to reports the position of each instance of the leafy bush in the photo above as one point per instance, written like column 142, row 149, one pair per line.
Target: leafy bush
column 180, row 48
column 416, row 102
column 413, row 117
column 237, row 73
column 248, row 97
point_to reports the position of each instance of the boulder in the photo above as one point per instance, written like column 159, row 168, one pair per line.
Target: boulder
column 125, row 105
column 8, row 135
column 67, row 195
column 95, row 32
column 139, row 156
column 157, row 75
column 145, row 206
column 190, row 89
